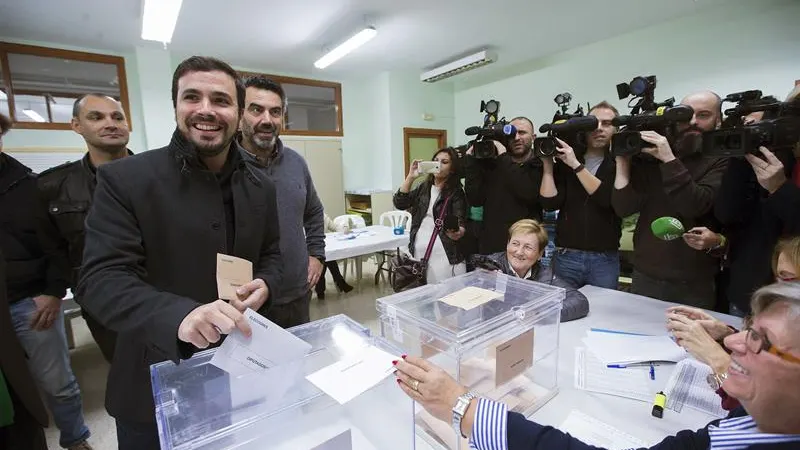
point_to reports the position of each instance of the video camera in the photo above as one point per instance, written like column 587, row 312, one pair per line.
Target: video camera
column 646, row 115
column 778, row 130
column 565, row 126
column 493, row 129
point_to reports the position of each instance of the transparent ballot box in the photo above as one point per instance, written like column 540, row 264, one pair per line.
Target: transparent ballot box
column 199, row 406
column 495, row 334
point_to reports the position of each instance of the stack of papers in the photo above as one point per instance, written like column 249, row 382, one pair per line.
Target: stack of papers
column 600, row 434
column 688, row 387
column 593, row 375
column 616, row 348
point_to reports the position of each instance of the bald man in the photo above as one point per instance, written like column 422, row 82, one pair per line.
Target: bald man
column 68, row 190
column 677, row 182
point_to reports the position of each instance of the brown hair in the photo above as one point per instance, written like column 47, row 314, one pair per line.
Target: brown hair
column 605, row 105
column 5, row 124
column 530, row 226
column 791, row 248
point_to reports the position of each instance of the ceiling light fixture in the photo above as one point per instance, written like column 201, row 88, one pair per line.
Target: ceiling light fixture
column 159, row 19
column 470, row 62
column 361, row 38
column 33, row 115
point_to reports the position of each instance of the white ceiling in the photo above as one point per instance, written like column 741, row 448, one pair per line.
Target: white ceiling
column 288, row 36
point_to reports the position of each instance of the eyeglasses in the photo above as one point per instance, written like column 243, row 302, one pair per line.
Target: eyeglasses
column 756, row 342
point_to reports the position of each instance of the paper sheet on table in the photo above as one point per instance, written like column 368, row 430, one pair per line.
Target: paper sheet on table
column 591, row 374
column 612, row 348
column 343, row 441
column 268, row 346
column 600, row 434
column 688, row 386
column 470, row 297
column 349, row 378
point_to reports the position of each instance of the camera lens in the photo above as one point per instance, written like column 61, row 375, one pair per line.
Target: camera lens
column 638, row 86
column 545, row 146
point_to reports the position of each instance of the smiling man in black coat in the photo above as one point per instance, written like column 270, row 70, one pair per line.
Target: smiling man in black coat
column 157, row 223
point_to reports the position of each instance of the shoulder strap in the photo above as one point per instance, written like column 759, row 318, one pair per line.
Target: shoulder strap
column 437, row 227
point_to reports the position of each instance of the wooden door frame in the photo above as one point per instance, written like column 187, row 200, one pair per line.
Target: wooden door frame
column 409, row 133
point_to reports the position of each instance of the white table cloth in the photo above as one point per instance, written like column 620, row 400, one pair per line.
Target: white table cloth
column 372, row 239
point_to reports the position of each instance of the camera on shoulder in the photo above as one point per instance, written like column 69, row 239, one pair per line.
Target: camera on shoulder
column 569, row 127
column 646, row 115
column 493, row 130
column 778, row 129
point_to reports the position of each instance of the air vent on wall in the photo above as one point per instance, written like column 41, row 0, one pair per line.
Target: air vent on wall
column 456, row 67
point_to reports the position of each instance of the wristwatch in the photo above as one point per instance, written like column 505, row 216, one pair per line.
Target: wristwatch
column 715, row 380
column 460, row 409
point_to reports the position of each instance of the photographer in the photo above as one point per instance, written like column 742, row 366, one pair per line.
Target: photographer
column 681, row 184
column 579, row 186
column 506, row 186
column 758, row 203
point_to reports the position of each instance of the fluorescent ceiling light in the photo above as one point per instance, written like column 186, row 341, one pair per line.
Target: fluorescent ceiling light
column 464, row 64
column 159, row 19
column 3, row 95
column 348, row 46
column 33, row 115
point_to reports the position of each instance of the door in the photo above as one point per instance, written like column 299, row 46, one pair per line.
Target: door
column 324, row 159
column 422, row 143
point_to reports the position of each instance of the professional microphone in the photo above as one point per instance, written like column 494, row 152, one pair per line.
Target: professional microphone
column 496, row 129
column 667, row 228
column 472, row 131
column 575, row 124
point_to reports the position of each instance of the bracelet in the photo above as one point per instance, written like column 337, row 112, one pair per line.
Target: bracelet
column 579, row 168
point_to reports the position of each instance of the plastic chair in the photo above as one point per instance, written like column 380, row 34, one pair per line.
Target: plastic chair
column 341, row 223
column 391, row 219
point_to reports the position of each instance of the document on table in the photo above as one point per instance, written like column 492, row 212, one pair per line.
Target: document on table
column 618, row 348
column 470, row 297
column 600, row 434
column 591, row 374
column 268, row 346
column 688, row 386
column 349, row 378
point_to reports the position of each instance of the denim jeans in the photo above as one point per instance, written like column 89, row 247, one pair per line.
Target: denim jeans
column 48, row 361
column 137, row 436
column 580, row 267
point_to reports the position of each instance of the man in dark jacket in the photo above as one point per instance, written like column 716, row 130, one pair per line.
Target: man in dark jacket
column 299, row 208
column 157, row 223
column 579, row 187
column 35, row 290
column 28, row 416
column 682, row 185
column 68, row 190
column 507, row 187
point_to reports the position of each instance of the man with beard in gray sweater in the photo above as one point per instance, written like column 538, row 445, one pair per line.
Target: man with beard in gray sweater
column 300, row 211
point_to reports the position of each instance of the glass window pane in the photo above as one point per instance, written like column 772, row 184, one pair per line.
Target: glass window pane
column 61, row 108
column 3, row 95
column 30, row 108
column 58, row 78
column 311, row 108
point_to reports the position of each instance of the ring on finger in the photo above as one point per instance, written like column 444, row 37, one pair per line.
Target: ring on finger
column 415, row 385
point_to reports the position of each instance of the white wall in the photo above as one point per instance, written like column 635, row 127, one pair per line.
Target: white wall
column 755, row 46
column 366, row 123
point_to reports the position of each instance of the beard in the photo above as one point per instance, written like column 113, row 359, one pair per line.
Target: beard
column 689, row 141
column 207, row 148
column 250, row 133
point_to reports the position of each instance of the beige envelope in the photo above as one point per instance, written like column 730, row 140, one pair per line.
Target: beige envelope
column 232, row 272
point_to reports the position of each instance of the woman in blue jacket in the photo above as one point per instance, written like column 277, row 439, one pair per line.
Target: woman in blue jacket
column 764, row 375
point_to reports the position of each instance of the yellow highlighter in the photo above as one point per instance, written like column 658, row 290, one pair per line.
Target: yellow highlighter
column 658, row 405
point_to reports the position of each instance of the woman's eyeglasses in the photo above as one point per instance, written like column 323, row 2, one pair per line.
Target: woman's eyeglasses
column 756, row 342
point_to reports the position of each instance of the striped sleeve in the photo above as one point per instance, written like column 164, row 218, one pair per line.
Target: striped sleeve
column 489, row 428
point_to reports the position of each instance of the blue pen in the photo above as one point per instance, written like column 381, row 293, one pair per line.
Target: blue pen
column 652, row 372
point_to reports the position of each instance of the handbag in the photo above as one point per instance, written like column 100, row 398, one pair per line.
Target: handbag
column 409, row 273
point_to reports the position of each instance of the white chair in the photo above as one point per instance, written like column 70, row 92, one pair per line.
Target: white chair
column 391, row 219
column 341, row 223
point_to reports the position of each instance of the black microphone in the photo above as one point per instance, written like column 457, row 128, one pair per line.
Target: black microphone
column 472, row 131
column 575, row 124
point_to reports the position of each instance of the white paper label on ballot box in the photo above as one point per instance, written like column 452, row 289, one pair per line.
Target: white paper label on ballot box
column 268, row 346
column 349, row 378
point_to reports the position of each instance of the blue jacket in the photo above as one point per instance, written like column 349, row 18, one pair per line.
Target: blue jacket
column 527, row 435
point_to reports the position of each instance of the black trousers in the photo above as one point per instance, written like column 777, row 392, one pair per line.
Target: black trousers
column 336, row 274
column 25, row 433
column 137, row 436
column 700, row 294
column 293, row 313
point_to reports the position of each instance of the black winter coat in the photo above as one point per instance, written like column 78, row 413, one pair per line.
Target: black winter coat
column 156, row 225
column 417, row 203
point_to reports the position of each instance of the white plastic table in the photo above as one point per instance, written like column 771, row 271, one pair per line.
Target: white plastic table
column 362, row 242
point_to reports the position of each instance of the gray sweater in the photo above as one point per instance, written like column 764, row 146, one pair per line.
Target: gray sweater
column 301, row 219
